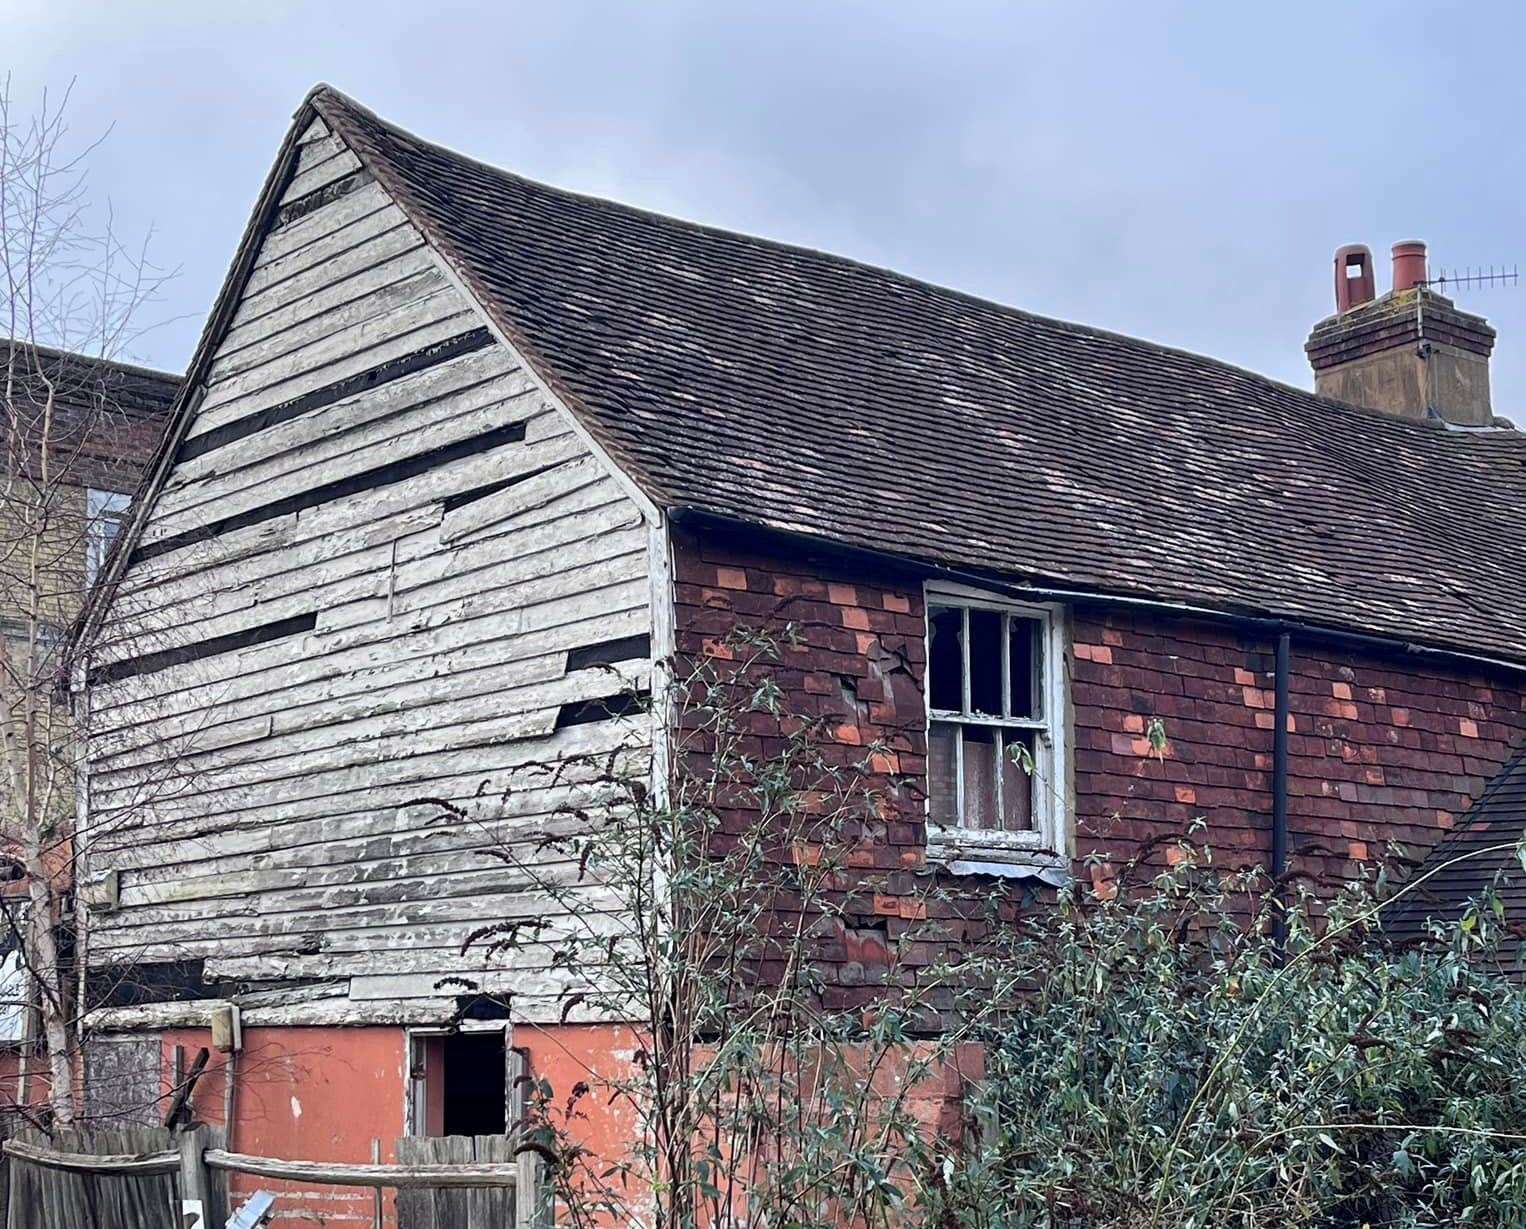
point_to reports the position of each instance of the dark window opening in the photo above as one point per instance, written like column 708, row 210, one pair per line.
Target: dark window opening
column 474, row 1102
column 946, row 661
column 461, row 1084
column 985, row 662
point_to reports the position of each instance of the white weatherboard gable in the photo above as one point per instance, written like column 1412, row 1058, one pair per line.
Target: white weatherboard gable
column 262, row 803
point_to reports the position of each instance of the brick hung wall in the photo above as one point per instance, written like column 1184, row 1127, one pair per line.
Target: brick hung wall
column 859, row 665
column 1381, row 748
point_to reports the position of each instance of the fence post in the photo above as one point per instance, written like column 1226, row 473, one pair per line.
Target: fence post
column 195, row 1190
column 376, row 1207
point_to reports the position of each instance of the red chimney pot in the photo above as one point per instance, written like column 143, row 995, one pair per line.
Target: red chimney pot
column 1409, row 265
column 1353, row 276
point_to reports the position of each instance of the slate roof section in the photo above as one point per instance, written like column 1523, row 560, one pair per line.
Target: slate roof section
column 805, row 392
column 1496, row 824
column 107, row 417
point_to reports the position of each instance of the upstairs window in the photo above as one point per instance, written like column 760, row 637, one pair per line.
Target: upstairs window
column 107, row 512
column 995, row 730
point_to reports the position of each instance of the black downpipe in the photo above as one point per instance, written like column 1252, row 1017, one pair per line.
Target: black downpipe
column 1280, row 785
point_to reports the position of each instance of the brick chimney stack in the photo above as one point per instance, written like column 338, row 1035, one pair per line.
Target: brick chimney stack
column 1411, row 352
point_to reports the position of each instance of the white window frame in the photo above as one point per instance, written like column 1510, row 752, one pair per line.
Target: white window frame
column 1048, row 845
column 101, row 507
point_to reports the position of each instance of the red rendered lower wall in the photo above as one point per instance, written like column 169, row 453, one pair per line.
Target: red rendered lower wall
column 319, row 1094
column 324, row 1094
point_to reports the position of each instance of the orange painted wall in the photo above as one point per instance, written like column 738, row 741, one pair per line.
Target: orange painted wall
column 312, row 1094
column 323, row 1094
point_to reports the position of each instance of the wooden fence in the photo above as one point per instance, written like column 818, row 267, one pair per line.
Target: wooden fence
column 123, row 1179
column 148, row 1178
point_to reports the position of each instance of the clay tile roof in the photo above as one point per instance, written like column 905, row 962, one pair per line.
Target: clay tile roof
column 806, row 392
column 1479, row 852
column 108, row 417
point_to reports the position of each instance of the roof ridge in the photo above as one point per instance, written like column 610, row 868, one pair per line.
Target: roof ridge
column 58, row 352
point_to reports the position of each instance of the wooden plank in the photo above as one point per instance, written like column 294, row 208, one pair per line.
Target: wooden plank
column 435, row 776
column 318, row 149
column 286, row 332
column 527, row 817
column 334, row 271
column 360, row 215
column 361, row 619
column 437, row 483
column 465, row 416
column 607, row 561
column 396, row 310
column 303, row 658
column 492, row 1206
column 319, row 172
column 195, row 1189
column 415, row 1206
column 531, row 643
column 294, row 558
column 355, row 349
column 454, row 1175
column 158, row 1162
column 353, row 434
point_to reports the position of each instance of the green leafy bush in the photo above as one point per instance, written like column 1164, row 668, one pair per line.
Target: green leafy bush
column 1168, row 1066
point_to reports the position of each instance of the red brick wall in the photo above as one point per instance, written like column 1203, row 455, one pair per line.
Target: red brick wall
column 1381, row 748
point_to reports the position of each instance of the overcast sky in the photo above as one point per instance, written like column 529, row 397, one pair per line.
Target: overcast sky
column 1179, row 172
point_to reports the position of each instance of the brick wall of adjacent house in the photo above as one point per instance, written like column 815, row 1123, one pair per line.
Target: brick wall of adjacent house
column 1383, row 749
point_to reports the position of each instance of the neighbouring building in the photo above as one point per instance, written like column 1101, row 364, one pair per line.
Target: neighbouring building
column 461, row 455
column 97, row 422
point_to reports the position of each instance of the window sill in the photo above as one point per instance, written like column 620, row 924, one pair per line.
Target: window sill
column 964, row 853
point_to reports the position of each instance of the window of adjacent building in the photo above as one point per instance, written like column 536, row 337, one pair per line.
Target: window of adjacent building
column 13, row 978
column 106, row 511
column 995, row 728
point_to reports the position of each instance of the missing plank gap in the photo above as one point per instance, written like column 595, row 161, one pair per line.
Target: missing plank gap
column 149, row 663
column 383, row 373
column 606, row 708
column 315, row 201
column 608, row 652
column 355, row 484
column 464, row 498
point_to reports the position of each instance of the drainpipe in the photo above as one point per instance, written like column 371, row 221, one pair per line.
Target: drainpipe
column 1280, row 781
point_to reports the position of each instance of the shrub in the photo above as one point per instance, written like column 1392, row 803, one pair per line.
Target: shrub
column 1170, row 1066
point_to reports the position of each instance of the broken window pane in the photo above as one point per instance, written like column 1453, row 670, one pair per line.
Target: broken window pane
column 989, row 751
column 1017, row 785
column 980, row 809
column 985, row 662
column 942, row 773
column 946, row 660
column 1025, row 667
